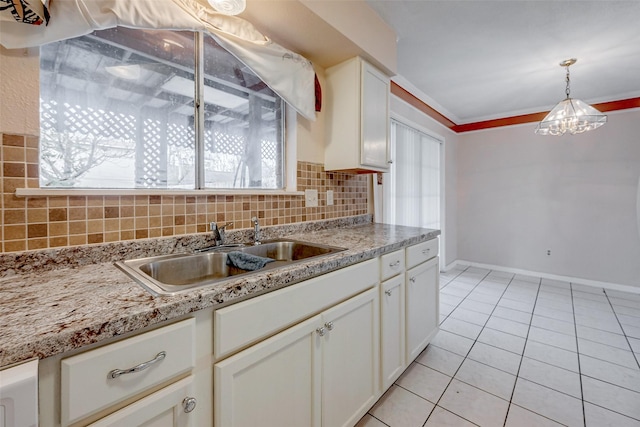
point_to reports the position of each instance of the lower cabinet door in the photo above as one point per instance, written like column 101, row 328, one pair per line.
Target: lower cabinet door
column 392, row 334
column 275, row 383
column 350, row 360
column 422, row 306
column 172, row 406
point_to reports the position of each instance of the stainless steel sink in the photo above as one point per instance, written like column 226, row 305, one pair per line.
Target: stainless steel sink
column 171, row 274
column 289, row 250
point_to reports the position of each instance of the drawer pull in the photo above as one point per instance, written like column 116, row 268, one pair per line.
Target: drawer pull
column 321, row 331
column 426, row 251
column 388, row 292
column 189, row 404
column 412, row 280
column 394, row 264
column 141, row 367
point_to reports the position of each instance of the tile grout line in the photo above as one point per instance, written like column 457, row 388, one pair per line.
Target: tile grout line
column 452, row 376
column 584, row 414
column 461, row 301
column 474, row 342
column 622, row 328
column 522, row 357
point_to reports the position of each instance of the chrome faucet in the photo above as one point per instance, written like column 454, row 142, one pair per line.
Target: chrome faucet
column 256, row 231
column 218, row 232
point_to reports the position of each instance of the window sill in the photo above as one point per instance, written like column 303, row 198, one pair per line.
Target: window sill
column 52, row 192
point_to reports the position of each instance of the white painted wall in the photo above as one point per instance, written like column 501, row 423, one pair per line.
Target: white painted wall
column 20, row 91
column 400, row 110
column 520, row 194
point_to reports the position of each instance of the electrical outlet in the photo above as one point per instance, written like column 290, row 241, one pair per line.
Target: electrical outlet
column 311, row 198
column 329, row 197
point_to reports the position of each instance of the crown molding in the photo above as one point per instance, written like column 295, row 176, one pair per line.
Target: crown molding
column 417, row 103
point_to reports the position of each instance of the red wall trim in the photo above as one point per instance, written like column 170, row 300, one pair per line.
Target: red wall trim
column 506, row 121
column 411, row 99
column 623, row 104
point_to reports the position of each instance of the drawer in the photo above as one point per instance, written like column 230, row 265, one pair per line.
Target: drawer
column 391, row 264
column 247, row 322
column 421, row 252
column 92, row 382
column 163, row 408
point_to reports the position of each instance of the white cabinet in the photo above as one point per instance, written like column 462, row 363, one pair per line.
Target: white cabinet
column 409, row 306
column 350, row 360
column 392, row 334
column 248, row 322
column 273, row 383
column 357, row 109
column 169, row 407
column 320, row 372
column 422, row 306
column 145, row 380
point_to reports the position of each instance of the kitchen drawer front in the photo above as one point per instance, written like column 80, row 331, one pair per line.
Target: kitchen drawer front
column 391, row 264
column 247, row 322
column 421, row 252
column 87, row 383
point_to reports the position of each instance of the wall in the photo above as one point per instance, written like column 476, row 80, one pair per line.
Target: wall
column 520, row 194
column 401, row 109
column 19, row 89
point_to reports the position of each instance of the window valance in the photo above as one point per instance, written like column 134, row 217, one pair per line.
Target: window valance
column 287, row 73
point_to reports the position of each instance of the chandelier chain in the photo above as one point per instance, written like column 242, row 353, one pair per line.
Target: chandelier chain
column 568, row 89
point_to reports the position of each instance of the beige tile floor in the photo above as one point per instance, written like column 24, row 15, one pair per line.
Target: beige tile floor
column 522, row 351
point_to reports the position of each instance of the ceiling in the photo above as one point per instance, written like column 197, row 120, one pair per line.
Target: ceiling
column 481, row 60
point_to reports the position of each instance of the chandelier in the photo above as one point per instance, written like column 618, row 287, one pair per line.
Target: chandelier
column 570, row 115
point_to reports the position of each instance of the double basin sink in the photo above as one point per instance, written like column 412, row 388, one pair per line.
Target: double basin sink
column 172, row 274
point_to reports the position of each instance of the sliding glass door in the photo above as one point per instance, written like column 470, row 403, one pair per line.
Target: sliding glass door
column 411, row 190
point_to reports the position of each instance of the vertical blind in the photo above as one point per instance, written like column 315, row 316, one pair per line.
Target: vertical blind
column 411, row 189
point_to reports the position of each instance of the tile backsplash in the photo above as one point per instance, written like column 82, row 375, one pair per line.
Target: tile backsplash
column 57, row 221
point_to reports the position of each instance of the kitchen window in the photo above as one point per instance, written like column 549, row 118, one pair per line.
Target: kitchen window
column 154, row 109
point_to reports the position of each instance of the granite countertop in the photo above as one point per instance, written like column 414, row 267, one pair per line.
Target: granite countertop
column 55, row 302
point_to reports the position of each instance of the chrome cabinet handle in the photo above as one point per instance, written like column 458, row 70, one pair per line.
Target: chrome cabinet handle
column 321, row 331
column 394, row 264
column 189, row 404
column 141, row 367
column 412, row 279
column 329, row 326
column 388, row 292
column 426, row 251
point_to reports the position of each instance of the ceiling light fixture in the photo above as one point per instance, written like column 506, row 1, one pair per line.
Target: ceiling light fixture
column 570, row 115
column 229, row 7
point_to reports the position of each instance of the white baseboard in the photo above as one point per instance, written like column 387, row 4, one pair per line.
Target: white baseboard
column 450, row 267
column 577, row 280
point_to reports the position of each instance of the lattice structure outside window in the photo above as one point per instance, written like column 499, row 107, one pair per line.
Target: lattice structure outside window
column 118, row 111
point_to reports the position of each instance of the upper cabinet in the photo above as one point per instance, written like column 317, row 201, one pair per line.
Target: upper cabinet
column 357, row 97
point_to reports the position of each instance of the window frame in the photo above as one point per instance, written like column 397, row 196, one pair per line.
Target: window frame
column 289, row 152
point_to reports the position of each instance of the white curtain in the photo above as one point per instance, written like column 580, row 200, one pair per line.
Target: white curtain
column 290, row 75
column 411, row 189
